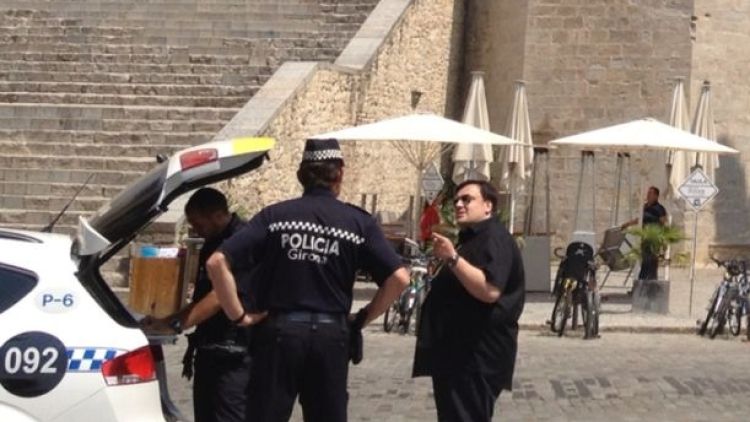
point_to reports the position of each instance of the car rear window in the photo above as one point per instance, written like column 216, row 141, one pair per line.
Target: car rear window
column 15, row 283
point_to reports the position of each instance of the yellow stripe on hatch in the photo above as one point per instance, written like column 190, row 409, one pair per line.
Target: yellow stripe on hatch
column 252, row 144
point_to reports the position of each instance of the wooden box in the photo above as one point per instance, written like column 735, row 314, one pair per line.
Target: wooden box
column 158, row 286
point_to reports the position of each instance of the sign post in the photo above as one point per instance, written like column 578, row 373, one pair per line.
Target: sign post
column 432, row 182
column 697, row 190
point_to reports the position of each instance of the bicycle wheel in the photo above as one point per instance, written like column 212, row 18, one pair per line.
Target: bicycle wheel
column 591, row 322
column 719, row 316
column 390, row 318
column 735, row 320
column 709, row 314
column 560, row 313
column 418, row 309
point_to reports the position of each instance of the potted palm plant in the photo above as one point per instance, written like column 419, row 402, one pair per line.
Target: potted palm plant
column 653, row 295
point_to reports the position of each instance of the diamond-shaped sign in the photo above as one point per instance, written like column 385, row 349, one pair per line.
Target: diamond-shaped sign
column 432, row 181
column 697, row 189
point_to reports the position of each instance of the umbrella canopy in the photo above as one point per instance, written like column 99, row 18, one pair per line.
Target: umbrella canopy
column 472, row 161
column 678, row 161
column 644, row 134
column 421, row 128
column 517, row 159
column 703, row 125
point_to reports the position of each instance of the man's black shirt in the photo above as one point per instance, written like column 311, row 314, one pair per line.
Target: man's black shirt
column 217, row 327
column 653, row 213
column 461, row 333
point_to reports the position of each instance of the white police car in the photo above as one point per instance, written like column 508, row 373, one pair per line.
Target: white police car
column 69, row 349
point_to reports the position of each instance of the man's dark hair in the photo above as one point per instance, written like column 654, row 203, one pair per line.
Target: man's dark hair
column 655, row 189
column 205, row 201
column 319, row 174
column 488, row 192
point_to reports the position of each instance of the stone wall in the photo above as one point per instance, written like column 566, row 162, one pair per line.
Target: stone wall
column 721, row 54
column 587, row 65
column 404, row 46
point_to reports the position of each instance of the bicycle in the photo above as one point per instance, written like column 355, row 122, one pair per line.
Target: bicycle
column 721, row 299
column 575, row 289
column 740, row 305
column 409, row 303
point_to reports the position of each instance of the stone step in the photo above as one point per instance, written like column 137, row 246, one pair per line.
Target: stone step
column 66, row 190
column 11, row 40
column 61, row 175
column 124, row 99
column 50, row 203
column 110, row 125
column 106, row 138
column 86, row 149
column 105, row 112
column 127, row 58
column 66, row 229
column 138, row 78
column 129, row 164
column 35, row 220
column 194, row 69
column 192, row 90
column 116, row 33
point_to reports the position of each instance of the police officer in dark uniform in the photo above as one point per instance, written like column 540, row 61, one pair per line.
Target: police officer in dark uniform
column 308, row 251
column 217, row 349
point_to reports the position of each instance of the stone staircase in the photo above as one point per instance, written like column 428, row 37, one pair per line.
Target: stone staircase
column 96, row 87
column 100, row 87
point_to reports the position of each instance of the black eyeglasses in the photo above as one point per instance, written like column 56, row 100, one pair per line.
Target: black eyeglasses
column 465, row 199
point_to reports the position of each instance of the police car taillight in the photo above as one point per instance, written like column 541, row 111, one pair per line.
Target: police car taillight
column 131, row 368
column 198, row 157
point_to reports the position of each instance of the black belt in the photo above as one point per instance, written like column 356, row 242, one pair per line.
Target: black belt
column 310, row 317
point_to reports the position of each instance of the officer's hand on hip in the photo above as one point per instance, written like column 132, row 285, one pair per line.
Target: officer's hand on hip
column 249, row 319
column 442, row 247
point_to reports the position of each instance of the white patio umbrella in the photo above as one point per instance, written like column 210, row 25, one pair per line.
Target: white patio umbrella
column 703, row 125
column 425, row 130
column 517, row 159
column 420, row 127
column 472, row 161
column 639, row 135
column 643, row 134
column 678, row 163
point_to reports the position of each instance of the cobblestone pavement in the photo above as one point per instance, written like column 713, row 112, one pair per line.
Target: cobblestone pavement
column 619, row 377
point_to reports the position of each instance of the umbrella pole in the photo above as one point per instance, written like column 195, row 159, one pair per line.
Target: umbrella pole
column 418, row 206
column 692, row 267
column 615, row 214
column 578, row 192
column 512, row 189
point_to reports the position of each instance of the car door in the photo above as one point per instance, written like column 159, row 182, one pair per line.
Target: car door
column 119, row 221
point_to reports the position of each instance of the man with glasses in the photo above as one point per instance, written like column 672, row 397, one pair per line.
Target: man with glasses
column 467, row 337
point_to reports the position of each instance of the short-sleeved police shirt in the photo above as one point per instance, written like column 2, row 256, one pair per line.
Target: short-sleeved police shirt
column 460, row 333
column 308, row 251
column 653, row 213
column 218, row 327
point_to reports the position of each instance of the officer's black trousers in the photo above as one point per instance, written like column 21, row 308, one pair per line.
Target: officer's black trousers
column 299, row 358
column 220, row 387
column 467, row 396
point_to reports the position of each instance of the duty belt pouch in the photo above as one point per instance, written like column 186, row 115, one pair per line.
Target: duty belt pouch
column 189, row 356
column 226, row 350
column 356, row 341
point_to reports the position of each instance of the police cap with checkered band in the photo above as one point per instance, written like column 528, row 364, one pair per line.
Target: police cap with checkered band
column 321, row 150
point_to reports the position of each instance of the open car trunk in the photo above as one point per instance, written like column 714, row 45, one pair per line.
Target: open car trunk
column 122, row 219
